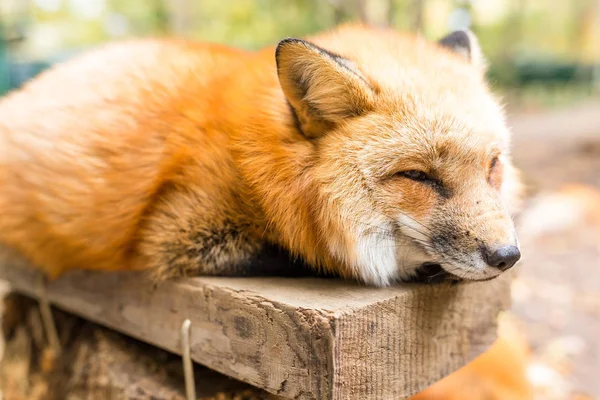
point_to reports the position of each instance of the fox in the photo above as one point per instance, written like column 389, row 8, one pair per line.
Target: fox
column 365, row 153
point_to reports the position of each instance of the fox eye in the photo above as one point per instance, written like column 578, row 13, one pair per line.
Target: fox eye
column 416, row 175
column 493, row 163
column 495, row 173
column 424, row 177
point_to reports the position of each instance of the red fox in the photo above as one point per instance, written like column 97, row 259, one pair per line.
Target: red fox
column 363, row 152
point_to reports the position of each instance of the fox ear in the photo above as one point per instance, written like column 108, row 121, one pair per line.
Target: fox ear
column 465, row 43
column 323, row 88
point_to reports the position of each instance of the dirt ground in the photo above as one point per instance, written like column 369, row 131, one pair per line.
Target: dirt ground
column 557, row 296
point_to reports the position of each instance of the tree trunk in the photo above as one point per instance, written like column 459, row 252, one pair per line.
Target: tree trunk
column 417, row 15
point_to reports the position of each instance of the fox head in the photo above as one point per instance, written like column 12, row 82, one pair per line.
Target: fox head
column 409, row 155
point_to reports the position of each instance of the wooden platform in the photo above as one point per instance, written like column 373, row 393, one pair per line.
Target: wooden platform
column 298, row 338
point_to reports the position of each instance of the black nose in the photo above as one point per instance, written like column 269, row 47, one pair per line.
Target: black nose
column 502, row 257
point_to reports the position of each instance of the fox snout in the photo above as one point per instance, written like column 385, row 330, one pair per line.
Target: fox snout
column 476, row 240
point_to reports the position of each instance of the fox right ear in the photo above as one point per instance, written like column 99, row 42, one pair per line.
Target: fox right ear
column 323, row 88
column 465, row 43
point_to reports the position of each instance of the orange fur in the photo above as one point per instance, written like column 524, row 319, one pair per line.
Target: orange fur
column 187, row 158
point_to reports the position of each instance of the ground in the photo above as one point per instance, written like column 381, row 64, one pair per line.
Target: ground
column 557, row 294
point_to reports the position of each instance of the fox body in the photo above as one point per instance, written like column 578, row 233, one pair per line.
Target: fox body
column 365, row 152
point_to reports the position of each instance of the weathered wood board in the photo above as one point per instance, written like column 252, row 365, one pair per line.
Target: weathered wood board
column 96, row 364
column 297, row 337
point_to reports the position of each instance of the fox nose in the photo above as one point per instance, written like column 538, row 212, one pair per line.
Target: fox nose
column 502, row 257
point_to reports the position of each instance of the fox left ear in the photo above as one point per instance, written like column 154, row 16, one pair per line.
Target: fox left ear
column 465, row 43
column 323, row 88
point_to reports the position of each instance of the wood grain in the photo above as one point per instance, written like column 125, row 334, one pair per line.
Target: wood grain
column 97, row 364
column 301, row 338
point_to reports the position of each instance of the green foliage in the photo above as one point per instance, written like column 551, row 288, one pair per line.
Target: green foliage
column 145, row 17
column 516, row 42
column 256, row 23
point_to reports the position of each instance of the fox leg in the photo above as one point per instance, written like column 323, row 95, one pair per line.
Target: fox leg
column 191, row 232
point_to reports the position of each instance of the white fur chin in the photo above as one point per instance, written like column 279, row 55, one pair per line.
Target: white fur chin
column 376, row 264
column 383, row 260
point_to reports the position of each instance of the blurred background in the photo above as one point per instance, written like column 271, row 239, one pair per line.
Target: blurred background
column 544, row 61
column 542, row 53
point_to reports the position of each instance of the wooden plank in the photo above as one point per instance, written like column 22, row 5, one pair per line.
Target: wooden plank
column 97, row 364
column 298, row 338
